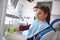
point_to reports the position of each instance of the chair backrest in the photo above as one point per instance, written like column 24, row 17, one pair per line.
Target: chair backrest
column 47, row 30
column 43, row 32
column 53, row 22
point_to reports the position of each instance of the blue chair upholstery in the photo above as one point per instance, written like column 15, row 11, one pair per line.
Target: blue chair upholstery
column 53, row 22
column 42, row 33
column 47, row 30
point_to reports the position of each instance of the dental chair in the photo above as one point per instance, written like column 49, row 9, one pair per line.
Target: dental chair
column 49, row 33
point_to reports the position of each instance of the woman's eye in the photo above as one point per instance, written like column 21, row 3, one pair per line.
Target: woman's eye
column 39, row 13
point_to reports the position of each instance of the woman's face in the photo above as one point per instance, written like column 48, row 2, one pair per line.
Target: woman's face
column 41, row 15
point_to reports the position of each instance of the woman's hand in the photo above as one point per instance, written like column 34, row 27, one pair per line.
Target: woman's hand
column 16, row 29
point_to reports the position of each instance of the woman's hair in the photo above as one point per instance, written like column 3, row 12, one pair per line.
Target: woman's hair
column 46, row 10
column 36, row 7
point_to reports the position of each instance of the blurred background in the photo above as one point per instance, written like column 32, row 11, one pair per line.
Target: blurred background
column 20, row 12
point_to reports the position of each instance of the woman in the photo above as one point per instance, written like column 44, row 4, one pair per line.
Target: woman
column 41, row 22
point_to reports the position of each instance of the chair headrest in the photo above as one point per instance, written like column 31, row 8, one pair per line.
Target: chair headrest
column 56, row 24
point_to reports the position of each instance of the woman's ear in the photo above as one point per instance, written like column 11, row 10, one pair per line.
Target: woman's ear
column 46, row 15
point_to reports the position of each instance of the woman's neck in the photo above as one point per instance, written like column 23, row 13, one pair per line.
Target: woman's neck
column 41, row 20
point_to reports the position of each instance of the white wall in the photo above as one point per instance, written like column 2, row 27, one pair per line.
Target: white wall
column 3, row 5
column 43, row 0
column 55, row 13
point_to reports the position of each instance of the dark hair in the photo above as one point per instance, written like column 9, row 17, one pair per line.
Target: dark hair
column 46, row 10
column 36, row 7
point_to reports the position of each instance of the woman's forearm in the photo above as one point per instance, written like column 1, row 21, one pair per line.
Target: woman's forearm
column 22, row 28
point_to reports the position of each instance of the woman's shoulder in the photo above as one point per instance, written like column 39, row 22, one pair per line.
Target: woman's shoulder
column 46, row 24
column 35, row 21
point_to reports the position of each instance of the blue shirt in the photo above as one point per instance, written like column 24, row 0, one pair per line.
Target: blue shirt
column 36, row 27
